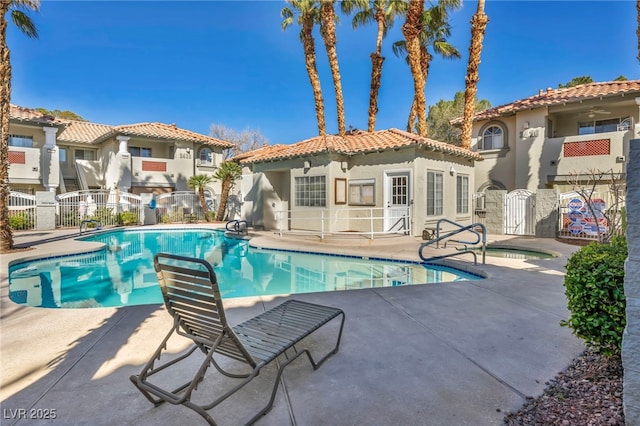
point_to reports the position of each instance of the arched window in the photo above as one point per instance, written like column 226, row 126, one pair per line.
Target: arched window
column 205, row 157
column 492, row 138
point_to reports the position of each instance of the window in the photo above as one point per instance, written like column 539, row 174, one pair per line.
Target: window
column 602, row 126
column 205, row 157
column 462, row 194
column 434, row 193
column 492, row 138
column 84, row 154
column 137, row 151
column 21, row 141
column 362, row 192
column 63, row 155
column 311, row 191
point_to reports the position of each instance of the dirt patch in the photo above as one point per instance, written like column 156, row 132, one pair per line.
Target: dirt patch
column 588, row 392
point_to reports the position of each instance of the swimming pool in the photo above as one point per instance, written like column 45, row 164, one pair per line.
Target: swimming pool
column 121, row 273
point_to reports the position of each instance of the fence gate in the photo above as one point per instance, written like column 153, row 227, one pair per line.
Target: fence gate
column 520, row 213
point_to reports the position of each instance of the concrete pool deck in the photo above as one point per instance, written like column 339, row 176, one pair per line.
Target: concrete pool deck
column 461, row 353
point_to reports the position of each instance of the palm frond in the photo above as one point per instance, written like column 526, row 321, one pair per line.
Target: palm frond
column 24, row 23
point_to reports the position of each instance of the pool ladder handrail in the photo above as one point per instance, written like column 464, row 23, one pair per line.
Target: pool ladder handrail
column 481, row 238
column 237, row 226
column 99, row 224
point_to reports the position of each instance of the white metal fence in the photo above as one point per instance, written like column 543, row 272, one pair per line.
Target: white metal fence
column 352, row 221
column 22, row 211
column 106, row 207
column 182, row 206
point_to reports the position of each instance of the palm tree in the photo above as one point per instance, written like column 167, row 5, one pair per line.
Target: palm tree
column 435, row 32
column 17, row 9
column 328, row 32
column 228, row 172
column 308, row 16
column 411, row 29
column 478, row 27
column 383, row 14
column 200, row 182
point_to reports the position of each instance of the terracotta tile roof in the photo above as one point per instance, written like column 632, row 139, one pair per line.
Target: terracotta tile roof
column 355, row 142
column 25, row 114
column 84, row 132
column 169, row 131
column 559, row 96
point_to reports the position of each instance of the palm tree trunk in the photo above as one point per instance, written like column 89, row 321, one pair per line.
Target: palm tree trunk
column 203, row 204
column 478, row 27
column 224, row 197
column 6, row 234
column 425, row 61
column 376, row 69
column 328, row 31
column 411, row 30
column 310, row 62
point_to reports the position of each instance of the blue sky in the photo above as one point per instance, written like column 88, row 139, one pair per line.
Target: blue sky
column 230, row 63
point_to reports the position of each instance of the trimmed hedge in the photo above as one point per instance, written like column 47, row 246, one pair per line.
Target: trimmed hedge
column 594, row 286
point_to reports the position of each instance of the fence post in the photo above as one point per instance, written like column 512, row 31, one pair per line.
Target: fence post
column 45, row 210
column 322, row 224
column 370, row 223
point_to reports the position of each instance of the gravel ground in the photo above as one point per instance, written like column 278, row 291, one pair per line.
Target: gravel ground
column 587, row 393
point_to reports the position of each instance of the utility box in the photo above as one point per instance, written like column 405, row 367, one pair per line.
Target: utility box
column 148, row 209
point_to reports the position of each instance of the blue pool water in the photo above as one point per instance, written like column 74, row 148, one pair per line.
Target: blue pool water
column 121, row 273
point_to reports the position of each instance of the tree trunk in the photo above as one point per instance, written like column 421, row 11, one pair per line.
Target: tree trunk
column 411, row 30
column 6, row 234
column 478, row 26
column 203, row 204
column 376, row 69
column 224, row 196
column 310, row 62
column 425, row 60
column 328, row 31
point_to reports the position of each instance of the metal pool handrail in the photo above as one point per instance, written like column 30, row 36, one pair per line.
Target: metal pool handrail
column 99, row 224
column 481, row 237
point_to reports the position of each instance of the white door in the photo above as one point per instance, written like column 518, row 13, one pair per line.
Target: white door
column 397, row 201
column 519, row 212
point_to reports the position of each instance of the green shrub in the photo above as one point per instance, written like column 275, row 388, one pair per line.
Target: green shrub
column 128, row 218
column 594, row 286
column 20, row 221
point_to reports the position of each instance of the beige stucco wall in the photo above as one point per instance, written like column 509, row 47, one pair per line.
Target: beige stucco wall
column 268, row 190
column 534, row 159
column 498, row 165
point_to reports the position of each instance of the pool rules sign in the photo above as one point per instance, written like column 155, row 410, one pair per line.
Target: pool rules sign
column 587, row 218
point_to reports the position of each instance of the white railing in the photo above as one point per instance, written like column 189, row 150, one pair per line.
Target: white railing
column 182, row 206
column 353, row 221
column 22, row 211
column 107, row 207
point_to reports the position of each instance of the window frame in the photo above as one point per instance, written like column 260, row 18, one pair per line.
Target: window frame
column 13, row 137
column 598, row 126
column 462, row 200
column 362, row 192
column 76, row 151
column 310, row 191
column 437, row 204
column 480, row 144
column 206, row 163
column 137, row 151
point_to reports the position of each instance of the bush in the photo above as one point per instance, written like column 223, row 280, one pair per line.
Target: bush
column 128, row 218
column 21, row 220
column 594, row 286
